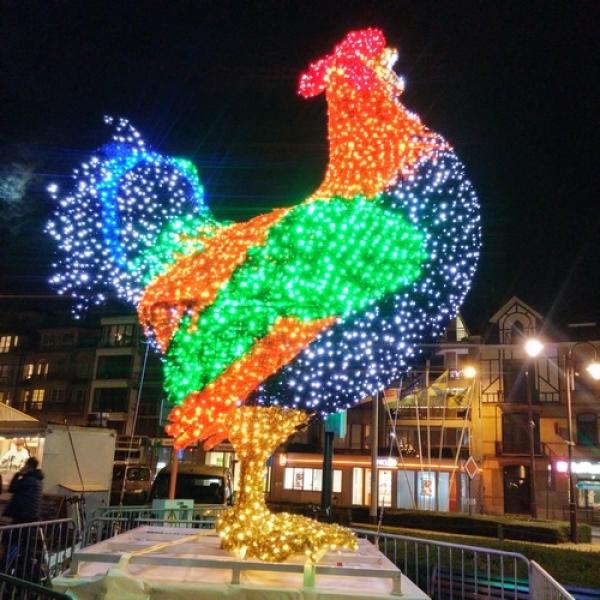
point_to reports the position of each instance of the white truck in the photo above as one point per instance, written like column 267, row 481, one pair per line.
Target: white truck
column 78, row 461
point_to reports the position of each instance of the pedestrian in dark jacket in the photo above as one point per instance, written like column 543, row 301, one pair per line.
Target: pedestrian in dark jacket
column 25, row 506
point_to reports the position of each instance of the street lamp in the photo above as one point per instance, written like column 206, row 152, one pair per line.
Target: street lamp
column 469, row 372
column 533, row 348
column 593, row 368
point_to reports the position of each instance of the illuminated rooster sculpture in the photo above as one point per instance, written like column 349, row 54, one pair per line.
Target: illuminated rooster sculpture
column 298, row 311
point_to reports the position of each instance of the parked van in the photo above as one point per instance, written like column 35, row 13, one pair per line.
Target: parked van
column 132, row 481
column 203, row 484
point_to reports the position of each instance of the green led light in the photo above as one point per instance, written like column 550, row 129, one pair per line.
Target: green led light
column 323, row 259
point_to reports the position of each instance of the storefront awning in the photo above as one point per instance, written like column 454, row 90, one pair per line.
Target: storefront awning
column 14, row 423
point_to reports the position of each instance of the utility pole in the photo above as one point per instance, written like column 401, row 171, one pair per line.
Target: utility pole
column 531, row 427
column 374, row 452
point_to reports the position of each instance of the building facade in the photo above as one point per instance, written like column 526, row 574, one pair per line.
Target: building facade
column 102, row 374
column 468, row 430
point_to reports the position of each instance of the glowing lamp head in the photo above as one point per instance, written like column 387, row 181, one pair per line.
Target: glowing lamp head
column 593, row 370
column 533, row 347
column 469, row 372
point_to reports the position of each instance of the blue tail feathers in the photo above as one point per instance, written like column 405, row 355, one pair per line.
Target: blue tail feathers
column 122, row 198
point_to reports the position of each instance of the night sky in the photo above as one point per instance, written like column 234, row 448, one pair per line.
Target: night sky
column 512, row 85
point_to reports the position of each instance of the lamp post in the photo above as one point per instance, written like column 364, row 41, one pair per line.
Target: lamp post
column 533, row 348
column 593, row 368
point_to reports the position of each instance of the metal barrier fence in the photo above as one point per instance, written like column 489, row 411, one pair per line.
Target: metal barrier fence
column 448, row 571
column 543, row 585
column 208, row 511
column 111, row 520
column 13, row 588
column 38, row 551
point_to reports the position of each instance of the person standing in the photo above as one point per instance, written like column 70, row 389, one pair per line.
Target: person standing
column 25, row 506
column 16, row 457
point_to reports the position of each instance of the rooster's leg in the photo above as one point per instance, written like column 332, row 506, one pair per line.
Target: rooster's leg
column 249, row 528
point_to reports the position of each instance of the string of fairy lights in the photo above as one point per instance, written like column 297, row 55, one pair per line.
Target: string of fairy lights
column 297, row 311
column 121, row 198
column 313, row 307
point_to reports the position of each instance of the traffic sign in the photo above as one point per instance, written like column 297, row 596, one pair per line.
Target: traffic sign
column 471, row 468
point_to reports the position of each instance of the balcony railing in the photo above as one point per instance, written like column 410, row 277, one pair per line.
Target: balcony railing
column 522, row 451
column 433, row 412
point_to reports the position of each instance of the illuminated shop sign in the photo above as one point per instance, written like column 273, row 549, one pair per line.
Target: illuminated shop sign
column 580, row 467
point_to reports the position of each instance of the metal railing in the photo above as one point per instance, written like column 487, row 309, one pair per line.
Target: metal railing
column 37, row 552
column 113, row 520
column 13, row 588
column 448, row 571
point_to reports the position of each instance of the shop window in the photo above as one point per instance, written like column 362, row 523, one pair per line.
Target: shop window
column 405, row 497
column 384, row 484
column 515, row 433
column 587, row 429
column 361, row 486
column 336, row 485
column 357, row 485
column 306, row 479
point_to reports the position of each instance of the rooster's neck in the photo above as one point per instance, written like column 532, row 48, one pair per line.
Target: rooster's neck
column 373, row 141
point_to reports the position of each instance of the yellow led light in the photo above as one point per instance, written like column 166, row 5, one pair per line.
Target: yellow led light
column 249, row 529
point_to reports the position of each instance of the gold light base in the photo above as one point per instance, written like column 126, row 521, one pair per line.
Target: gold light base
column 249, row 529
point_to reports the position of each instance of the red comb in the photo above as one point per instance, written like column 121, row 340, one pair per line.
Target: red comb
column 350, row 55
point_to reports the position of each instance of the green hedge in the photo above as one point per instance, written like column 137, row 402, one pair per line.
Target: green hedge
column 506, row 527
column 568, row 564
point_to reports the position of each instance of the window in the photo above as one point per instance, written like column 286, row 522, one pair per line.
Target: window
column 110, row 400
column 114, row 367
column 587, row 429
column 216, row 459
column 48, row 340
column 117, row 335
column 76, row 401
column 37, row 399
column 41, row 368
column 3, row 397
column 515, row 433
column 361, row 486
column 300, row 478
column 5, row 372
column 357, row 485
column 6, row 343
column 359, row 436
column 28, row 370
column 515, row 382
column 68, row 339
column 57, row 396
